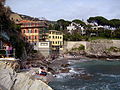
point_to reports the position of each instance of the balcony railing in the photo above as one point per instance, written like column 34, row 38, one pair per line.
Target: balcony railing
column 7, row 53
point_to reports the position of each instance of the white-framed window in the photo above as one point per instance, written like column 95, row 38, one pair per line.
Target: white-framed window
column 29, row 31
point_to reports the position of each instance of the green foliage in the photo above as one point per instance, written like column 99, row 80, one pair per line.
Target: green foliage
column 75, row 37
column 103, row 21
column 18, row 44
column 79, row 22
column 114, row 49
column 81, row 47
column 99, row 20
column 2, row 52
column 34, row 51
column 63, row 24
column 115, row 23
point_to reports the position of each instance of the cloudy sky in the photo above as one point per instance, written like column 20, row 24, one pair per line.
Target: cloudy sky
column 66, row 9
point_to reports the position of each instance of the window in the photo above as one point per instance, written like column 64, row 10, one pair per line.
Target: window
column 35, row 37
column 56, row 42
column 60, row 46
column 29, row 31
column 60, row 37
column 24, row 31
column 53, row 36
column 29, row 37
column 35, row 31
column 49, row 36
column 56, row 37
column 44, row 44
column 53, row 42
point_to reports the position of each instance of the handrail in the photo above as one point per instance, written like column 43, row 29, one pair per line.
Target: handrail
column 7, row 53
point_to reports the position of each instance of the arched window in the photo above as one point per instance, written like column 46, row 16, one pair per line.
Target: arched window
column 35, row 31
column 53, row 42
column 56, row 37
column 24, row 31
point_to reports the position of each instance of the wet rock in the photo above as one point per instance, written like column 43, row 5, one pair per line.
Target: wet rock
column 65, row 65
column 83, row 76
column 64, row 70
column 86, row 76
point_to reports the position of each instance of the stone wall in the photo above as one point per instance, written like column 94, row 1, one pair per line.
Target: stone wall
column 72, row 44
column 95, row 47
column 116, row 43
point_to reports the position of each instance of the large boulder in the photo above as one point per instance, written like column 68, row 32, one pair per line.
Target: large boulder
column 10, row 80
column 7, row 78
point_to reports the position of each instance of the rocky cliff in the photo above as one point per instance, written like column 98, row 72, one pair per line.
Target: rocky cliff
column 103, row 48
column 10, row 80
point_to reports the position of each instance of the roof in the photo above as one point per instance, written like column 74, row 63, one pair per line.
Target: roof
column 25, row 21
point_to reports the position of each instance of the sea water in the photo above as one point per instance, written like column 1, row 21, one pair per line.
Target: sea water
column 101, row 75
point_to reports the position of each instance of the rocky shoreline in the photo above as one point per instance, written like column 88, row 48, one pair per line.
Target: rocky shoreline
column 10, row 80
column 27, row 81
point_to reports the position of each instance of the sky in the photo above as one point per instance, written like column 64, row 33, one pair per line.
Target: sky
column 66, row 9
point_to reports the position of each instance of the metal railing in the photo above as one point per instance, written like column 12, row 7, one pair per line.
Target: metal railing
column 7, row 53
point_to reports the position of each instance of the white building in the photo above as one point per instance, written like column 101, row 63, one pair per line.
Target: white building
column 44, row 48
column 74, row 26
column 71, row 27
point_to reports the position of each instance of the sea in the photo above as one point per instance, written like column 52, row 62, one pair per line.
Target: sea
column 89, row 74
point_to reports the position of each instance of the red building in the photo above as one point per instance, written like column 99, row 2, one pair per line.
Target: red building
column 33, row 31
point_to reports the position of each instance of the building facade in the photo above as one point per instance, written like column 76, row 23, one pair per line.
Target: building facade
column 44, row 47
column 56, row 39
column 33, row 31
column 15, row 17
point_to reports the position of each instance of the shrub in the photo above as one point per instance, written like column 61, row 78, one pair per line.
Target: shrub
column 81, row 47
column 114, row 49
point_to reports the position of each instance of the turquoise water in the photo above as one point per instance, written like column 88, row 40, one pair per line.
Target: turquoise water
column 89, row 75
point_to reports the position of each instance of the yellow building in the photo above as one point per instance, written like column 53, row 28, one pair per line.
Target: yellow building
column 56, row 38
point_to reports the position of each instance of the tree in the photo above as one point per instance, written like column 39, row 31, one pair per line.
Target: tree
column 63, row 24
column 79, row 22
column 115, row 23
column 99, row 20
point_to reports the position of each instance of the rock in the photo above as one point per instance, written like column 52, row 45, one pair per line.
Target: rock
column 10, row 80
column 65, row 65
column 24, row 82
column 86, row 76
column 65, row 70
column 7, row 78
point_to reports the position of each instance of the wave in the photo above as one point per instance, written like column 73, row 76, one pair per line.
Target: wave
column 108, row 75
